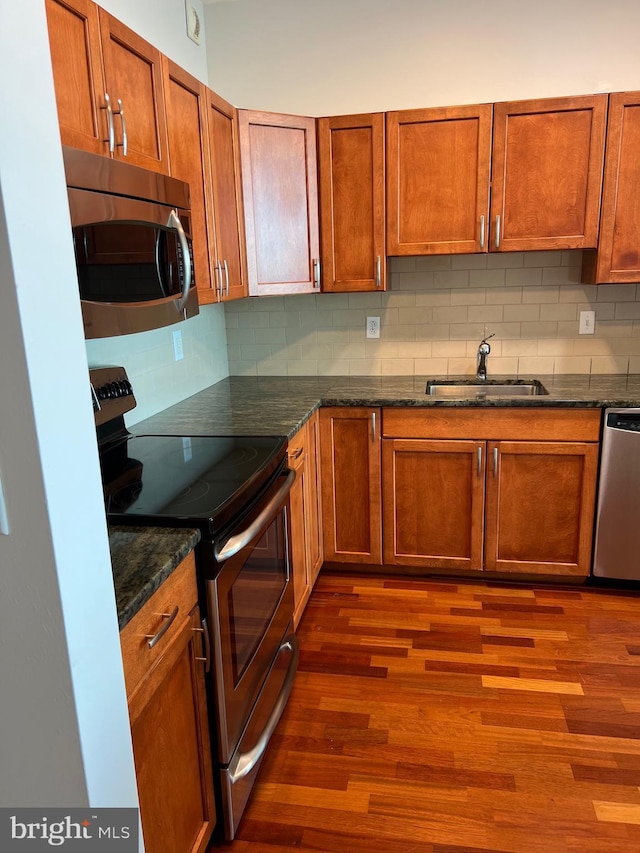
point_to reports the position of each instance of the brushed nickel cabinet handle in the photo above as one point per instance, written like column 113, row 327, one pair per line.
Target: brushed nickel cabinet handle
column 373, row 426
column 498, row 231
column 207, row 645
column 297, row 453
column 378, row 272
column 111, row 134
column 124, row 143
column 495, row 461
column 482, row 232
column 479, row 452
column 316, row 273
column 217, row 280
column 170, row 617
column 226, row 276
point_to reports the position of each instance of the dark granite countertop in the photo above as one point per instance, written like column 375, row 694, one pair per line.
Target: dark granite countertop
column 142, row 558
column 249, row 405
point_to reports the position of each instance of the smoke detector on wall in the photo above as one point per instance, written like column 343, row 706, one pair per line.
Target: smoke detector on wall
column 194, row 24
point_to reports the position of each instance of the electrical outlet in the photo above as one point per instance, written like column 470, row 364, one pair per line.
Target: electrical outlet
column 373, row 327
column 587, row 323
column 178, row 352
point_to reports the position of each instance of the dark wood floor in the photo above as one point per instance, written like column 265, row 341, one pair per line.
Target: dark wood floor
column 441, row 717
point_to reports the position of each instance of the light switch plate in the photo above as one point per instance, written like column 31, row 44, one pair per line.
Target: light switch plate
column 587, row 323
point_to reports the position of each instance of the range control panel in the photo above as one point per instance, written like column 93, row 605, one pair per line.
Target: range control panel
column 111, row 393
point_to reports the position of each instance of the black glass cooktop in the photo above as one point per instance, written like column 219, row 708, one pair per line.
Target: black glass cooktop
column 203, row 480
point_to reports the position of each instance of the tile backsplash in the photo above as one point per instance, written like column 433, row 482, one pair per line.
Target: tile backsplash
column 433, row 316
column 158, row 380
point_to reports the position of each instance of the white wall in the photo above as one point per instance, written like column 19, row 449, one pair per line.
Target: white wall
column 350, row 56
column 163, row 24
column 64, row 728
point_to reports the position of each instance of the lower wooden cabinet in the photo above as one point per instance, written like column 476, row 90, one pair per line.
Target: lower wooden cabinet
column 473, row 503
column 351, row 495
column 168, row 713
column 306, row 543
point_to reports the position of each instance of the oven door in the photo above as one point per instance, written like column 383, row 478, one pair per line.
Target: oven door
column 250, row 602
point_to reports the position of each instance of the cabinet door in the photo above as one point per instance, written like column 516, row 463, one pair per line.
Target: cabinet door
column 228, row 254
column 133, row 75
column 352, row 225
column 280, row 188
column 187, row 135
column 351, row 501
column 540, row 505
column 76, row 57
column 313, row 503
column 170, row 735
column 618, row 255
column 547, row 173
column 433, row 503
column 438, row 172
column 297, row 502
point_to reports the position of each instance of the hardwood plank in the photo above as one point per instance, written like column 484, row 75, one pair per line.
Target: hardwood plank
column 499, row 719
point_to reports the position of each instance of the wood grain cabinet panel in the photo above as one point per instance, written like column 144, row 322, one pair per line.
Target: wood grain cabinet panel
column 306, row 546
column 185, row 99
column 617, row 259
column 351, row 485
column 547, row 173
column 76, row 56
column 227, row 238
column 472, row 503
column 433, row 503
column 352, row 202
column 280, row 190
column 438, row 172
column 133, row 75
column 540, row 507
column 169, row 722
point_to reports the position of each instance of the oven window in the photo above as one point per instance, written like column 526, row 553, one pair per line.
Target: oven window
column 256, row 593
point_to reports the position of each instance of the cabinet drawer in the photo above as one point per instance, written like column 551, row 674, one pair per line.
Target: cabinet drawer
column 297, row 450
column 178, row 591
column 500, row 424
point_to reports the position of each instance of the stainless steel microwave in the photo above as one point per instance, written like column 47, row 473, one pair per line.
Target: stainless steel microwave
column 132, row 242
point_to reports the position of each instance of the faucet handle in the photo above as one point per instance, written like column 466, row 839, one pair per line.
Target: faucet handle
column 487, row 338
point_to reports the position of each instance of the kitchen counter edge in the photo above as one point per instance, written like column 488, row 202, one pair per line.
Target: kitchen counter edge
column 142, row 559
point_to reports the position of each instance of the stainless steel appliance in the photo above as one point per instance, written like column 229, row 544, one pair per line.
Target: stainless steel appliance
column 617, row 543
column 132, row 241
column 235, row 491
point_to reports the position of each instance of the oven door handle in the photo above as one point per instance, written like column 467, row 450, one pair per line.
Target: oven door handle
column 223, row 550
column 244, row 762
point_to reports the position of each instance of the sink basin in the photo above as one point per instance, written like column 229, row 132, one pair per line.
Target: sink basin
column 476, row 389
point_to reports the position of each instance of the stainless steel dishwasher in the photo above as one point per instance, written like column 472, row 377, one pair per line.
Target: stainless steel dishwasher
column 617, row 546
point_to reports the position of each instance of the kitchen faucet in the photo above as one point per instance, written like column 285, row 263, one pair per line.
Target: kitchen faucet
column 483, row 351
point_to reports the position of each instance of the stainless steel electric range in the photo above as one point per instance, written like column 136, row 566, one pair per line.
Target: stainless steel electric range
column 235, row 490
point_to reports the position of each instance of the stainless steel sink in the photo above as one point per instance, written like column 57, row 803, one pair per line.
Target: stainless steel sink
column 477, row 389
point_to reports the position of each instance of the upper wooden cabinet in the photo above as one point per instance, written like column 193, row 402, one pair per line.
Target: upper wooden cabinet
column 187, row 126
column 108, row 84
column 352, row 202
column 618, row 255
column 547, row 173
column 438, row 172
column 280, row 187
column 133, row 80
column 228, row 255
column 76, row 57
